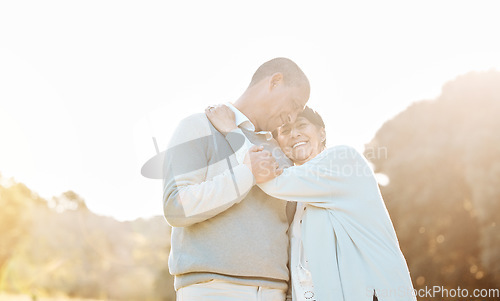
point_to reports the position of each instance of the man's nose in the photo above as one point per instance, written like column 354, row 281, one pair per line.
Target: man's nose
column 291, row 118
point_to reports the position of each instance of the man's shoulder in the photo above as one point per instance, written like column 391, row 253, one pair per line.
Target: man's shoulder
column 197, row 122
column 191, row 128
column 195, row 119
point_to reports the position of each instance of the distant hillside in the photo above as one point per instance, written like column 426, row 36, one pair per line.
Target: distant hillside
column 59, row 247
column 443, row 162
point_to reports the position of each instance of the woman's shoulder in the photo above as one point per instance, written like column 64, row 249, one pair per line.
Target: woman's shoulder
column 339, row 155
column 341, row 152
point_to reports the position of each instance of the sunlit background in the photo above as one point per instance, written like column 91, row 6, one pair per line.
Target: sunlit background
column 86, row 85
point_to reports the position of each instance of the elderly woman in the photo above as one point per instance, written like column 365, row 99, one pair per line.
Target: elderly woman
column 343, row 243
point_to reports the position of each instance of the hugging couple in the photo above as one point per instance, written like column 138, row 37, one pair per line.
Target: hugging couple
column 261, row 209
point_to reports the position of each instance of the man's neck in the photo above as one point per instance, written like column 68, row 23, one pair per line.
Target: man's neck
column 247, row 107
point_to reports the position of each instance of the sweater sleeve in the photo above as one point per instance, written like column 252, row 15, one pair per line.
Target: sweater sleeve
column 324, row 181
column 190, row 197
column 235, row 139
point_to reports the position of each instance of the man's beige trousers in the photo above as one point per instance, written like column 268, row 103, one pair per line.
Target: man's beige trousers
column 218, row 290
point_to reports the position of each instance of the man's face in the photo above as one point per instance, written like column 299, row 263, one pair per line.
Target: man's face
column 285, row 103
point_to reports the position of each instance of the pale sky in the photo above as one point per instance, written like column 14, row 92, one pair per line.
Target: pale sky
column 85, row 85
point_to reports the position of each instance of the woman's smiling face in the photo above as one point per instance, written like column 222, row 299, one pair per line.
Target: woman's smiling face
column 301, row 140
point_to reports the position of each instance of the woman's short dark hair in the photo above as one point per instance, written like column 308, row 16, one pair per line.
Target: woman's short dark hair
column 312, row 116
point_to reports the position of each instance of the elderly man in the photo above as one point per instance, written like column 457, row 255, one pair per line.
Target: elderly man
column 229, row 238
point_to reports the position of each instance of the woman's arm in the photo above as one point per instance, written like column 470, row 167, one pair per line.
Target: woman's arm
column 332, row 176
column 260, row 162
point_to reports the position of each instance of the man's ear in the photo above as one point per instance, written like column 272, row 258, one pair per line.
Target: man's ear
column 275, row 80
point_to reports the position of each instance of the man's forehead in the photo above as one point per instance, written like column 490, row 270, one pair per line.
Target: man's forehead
column 301, row 97
column 300, row 103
